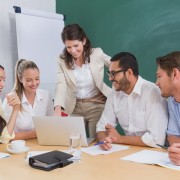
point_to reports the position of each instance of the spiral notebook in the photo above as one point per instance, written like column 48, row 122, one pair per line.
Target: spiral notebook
column 55, row 130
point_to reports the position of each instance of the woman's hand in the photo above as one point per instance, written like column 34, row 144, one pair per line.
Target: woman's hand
column 14, row 101
column 57, row 111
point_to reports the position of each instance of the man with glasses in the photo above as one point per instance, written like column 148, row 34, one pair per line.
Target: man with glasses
column 136, row 104
column 168, row 80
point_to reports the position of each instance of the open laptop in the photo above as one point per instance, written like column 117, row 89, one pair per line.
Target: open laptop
column 55, row 130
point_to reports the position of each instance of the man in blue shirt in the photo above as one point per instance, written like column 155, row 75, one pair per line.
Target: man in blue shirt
column 168, row 80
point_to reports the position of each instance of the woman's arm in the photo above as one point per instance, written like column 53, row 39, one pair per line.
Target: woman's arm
column 61, row 89
column 25, row 135
column 14, row 101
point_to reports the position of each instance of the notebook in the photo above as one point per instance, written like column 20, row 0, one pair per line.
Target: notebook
column 55, row 130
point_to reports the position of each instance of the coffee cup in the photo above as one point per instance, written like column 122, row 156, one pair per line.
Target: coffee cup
column 16, row 145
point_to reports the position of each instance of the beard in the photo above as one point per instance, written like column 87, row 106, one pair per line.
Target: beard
column 123, row 84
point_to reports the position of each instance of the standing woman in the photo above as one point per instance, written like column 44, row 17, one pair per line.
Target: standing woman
column 80, row 89
column 34, row 101
column 6, row 129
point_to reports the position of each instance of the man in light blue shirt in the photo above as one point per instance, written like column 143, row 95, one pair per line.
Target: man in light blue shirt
column 168, row 80
column 174, row 118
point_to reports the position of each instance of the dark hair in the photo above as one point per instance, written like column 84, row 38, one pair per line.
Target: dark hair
column 75, row 32
column 20, row 67
column 2, row 124
column 1, row 67
column 169, row 62
column 2, row 121
column 127, row 61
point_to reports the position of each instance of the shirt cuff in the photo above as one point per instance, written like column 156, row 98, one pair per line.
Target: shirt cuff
column 5, row 136
column 149, row 140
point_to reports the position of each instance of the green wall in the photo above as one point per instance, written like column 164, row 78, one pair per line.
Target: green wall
column 146, row 28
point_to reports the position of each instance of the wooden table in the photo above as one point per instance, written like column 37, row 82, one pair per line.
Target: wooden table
column 99, row 167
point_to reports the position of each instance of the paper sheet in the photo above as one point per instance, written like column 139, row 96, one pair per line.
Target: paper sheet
column 96, row 150
column 146, row 156
column 4, row 155
column 152, row 157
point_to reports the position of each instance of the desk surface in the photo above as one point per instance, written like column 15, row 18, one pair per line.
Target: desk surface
column 99, row 167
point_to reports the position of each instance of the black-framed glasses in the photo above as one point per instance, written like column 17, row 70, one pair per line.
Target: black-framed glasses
column 112, row 74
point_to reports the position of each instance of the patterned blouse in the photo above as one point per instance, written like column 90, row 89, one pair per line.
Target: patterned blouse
column 5, row 137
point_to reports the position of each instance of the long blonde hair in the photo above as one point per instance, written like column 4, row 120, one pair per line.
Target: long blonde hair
column 20, row 67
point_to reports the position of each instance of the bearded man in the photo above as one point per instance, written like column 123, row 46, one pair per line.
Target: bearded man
column 136, row 104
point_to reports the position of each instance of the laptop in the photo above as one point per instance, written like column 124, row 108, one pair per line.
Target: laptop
column 55, row 130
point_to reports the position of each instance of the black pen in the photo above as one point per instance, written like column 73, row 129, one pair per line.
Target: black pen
column 164, row 147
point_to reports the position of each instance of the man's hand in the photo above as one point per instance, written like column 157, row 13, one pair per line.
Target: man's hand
column 107, row 145
column 174, row 153
column 112, row 136
column 112, row 133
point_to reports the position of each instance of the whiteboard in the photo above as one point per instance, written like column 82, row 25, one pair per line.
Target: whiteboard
column 39, row 40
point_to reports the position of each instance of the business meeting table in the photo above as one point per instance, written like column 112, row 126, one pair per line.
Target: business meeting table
column 99, row 167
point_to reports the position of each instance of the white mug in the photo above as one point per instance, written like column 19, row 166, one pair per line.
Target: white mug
column 17, row 145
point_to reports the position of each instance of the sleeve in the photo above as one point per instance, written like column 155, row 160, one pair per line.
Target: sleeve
column 108, row 115
column 50, row 107
column 7, row 110
column 5, row 136
column 61, row 87
column 157, row 119
column 105, row 58
column 173, row 126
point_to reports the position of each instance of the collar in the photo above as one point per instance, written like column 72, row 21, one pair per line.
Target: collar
column 174, row 101
column 74, row 63
column 137, row 88
column 38, row 97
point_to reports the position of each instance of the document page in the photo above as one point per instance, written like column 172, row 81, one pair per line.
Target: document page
column 96, row 149
column 4, row 155
column 152, row 157
column 146, row 156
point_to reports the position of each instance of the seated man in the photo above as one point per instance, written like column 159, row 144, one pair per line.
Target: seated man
column 136, row 104
column 168, row 80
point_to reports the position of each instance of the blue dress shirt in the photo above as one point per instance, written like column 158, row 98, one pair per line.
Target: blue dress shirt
column 174, row 117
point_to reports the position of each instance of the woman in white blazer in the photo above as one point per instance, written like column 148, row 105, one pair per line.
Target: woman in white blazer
column 80, row 87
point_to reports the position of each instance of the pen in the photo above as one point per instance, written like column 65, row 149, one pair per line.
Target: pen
column 164, row 147
column 100, row 142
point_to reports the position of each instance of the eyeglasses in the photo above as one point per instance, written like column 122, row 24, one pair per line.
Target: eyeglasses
column 112, row 74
